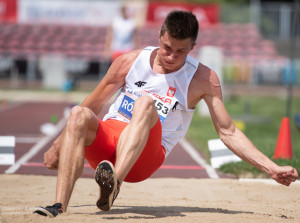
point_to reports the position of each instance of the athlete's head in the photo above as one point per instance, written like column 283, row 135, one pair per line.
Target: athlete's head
column 181, row 25
column 177, row 38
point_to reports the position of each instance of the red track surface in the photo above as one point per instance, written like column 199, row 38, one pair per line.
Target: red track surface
column 24, row 120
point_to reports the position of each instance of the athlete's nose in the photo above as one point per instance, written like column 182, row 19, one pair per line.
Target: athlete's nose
column 172, row 57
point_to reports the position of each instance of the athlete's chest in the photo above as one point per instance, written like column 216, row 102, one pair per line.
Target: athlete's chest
column 151, row 82
column 163, row 103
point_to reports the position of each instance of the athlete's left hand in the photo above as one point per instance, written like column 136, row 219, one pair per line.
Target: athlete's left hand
column 285, row 175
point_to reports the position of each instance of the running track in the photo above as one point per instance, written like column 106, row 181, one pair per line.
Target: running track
column 23, row 120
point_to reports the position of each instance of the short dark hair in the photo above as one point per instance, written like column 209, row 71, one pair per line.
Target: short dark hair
column 181, row 25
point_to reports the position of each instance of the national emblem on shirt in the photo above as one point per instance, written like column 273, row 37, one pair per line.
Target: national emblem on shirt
column 171, row 92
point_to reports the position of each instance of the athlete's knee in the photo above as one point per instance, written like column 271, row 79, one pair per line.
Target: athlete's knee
column 79, row 117
column 144, row 104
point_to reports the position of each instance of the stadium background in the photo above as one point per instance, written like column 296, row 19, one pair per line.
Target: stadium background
column 258, row 42
column 256, row 38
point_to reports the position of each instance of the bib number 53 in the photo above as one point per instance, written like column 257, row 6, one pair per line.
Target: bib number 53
column 160, row 107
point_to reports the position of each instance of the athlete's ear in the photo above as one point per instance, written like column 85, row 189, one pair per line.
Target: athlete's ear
column 193, row 45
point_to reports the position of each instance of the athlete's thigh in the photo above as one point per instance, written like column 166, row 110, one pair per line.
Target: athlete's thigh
column 151, row 158
column 105, row 143
column 92, row 126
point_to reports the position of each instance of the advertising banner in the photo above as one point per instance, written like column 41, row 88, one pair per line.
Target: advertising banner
column 206, row 14
column 68, row 11
column 8, row 10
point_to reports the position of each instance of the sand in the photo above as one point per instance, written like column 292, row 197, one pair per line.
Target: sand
column 154, row 200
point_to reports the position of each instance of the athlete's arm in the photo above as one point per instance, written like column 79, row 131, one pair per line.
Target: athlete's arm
column 233, row 138
column 112, row 81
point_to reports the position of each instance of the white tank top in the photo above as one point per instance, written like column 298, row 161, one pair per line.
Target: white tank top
column 169, row 91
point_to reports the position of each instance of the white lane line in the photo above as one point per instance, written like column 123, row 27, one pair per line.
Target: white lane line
column 37, row 147
column 27, row 139
column 198, row 159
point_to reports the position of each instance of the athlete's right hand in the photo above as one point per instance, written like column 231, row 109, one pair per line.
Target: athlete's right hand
column 51, row 157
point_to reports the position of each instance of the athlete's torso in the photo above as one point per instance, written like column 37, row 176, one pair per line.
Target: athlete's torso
column 169, row 91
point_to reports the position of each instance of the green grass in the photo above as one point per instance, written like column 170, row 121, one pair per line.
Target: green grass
column 263, row 135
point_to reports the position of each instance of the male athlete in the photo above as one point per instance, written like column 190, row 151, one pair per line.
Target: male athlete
column 159, row 90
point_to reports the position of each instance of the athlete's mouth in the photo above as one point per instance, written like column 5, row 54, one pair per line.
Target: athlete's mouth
column 168, row 62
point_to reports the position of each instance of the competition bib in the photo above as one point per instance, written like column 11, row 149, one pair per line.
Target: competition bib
column 163, row 105
column 126, row 107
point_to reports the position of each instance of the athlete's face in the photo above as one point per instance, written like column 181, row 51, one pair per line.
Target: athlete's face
column 173, row 52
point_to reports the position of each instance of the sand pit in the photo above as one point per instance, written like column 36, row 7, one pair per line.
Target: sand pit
column 154, row 200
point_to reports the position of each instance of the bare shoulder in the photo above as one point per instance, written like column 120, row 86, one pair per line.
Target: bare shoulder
column 204, row 83
column 124, row 62
column 121, row 65
column 130, row 56
column 206, row 77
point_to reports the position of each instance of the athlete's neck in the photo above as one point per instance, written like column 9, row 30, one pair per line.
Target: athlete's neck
column 157, row 65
